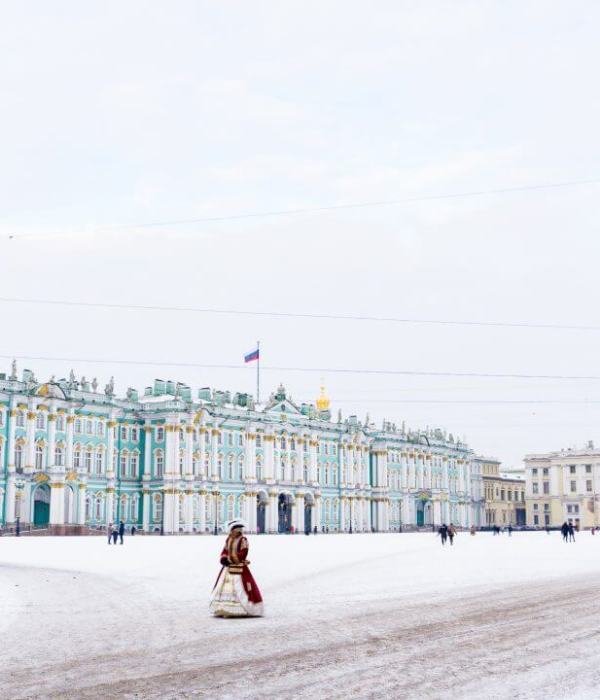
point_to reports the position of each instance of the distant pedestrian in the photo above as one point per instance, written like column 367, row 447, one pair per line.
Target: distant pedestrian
column 571, row 533
column 315, row 530
column 472, row 530
column 510, row 529
column 451, row 533
column 109, row 532
column 564, row 531
column 115, row 533
column 132, row 530
column 443, row 533
column 593, row 531
column 121, row 531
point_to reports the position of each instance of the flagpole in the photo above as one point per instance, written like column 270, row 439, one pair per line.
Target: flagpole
column 258, row 373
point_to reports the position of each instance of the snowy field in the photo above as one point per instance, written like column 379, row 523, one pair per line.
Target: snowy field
column 364, row 616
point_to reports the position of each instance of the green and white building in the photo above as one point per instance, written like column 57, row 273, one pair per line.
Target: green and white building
column 73, row 454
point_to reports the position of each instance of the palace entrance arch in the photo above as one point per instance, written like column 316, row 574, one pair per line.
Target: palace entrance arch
column 41, row 505
column 261, row 511
column 285, row 512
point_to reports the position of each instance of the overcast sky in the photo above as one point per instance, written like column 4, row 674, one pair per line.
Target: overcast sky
column 116, row 114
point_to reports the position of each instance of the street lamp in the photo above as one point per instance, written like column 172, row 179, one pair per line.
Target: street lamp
column 19, row 485
column 216, row 493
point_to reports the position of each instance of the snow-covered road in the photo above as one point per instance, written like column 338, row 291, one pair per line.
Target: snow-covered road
column 366, row 616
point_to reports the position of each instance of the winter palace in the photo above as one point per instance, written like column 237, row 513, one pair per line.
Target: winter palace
column 73, row 454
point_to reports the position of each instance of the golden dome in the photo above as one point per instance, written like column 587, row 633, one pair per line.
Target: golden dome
column 323, row 400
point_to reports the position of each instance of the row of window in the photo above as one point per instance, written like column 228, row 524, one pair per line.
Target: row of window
column 535, row 488
column 572, row 469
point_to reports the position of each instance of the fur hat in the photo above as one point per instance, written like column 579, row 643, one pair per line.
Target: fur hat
column 233, row 524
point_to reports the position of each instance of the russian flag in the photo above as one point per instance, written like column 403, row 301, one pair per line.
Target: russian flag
column 251, row 356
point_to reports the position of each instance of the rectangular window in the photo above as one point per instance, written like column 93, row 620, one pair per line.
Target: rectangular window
column 588, row 468
column 588, row 485
column 573, row 487
column 78, row 426
column 123, row 465
column 536, row 520
column 134, row 465
column 123, row 433
column 88, row 461
column 546, row 519
column 134, row 434
column 100, row 428
column 160, row 434
column 60, row 423
column 533, row 472
column 535, row 506
column 534, row 487
column 546, row 506
column 545, row 471
column 98, row 462
column 546, row 487
column 89, row 427
column 572, row 469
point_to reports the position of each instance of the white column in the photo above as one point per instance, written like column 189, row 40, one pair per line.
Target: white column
column 202, row 447
column 11, row 497
column 312, row 465
column 299, row 527
column 147, row 451
column 189, row 452
column 214, row 446
column 368, row 508
column 268, row 452
column 188, row 509
column 272, row 514
column 30, row 450
column 202, row 522
column 343, row 523
column 52, row 440
column 69, row 445
column 250, row 458
column 57, row 503
column 110, row 454
column 317, row 512
column 146, row 510
column 109, row 505
column 350, row 465
column 81, row 493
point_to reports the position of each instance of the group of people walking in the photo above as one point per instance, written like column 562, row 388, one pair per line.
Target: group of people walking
column 115, row 532
column 447, row 532
column 567, row 531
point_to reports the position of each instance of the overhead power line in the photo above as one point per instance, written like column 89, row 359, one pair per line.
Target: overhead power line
column 300, row 315
column 330, row 207
column 320, row 370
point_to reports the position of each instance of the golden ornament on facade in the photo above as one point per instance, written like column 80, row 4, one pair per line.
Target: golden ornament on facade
column 41, row 478
column 71, row 476
column 323, row 401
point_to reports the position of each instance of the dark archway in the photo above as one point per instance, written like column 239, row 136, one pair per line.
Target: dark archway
column 261, row 513
column 285, row 512
column 41, row 506
column 308, row 517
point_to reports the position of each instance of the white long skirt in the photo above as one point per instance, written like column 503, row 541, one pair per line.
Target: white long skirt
column 229, row 599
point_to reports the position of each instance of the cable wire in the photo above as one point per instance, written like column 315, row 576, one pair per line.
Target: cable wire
column 301, row 315
column 331, row 207
column 320, row 370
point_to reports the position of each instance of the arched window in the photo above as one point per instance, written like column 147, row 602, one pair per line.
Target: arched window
column 157, row 507
column 98, row 513
column 293, row 471
column 292, row 444
column 160, row 434
column 77, row 457
column 196, row 463
column 220, row 466
column 241, row 467
column 134, row 463
column 99, row 461
column 18, row 456
column 123, row 463
column 282, row 474
column 124, row 514
column 181, row 460
column 159, row 462
column 88, row 508
column 60, row 423
column 181, row 509
column 88, row 460
column 100, row 428
column 39, row 456
column 305, row 472
column 230, row 468
column 89, row 426
column 134, row 507
column 20, row 419
column 259, row 469
column 77, row 426
column 283, row 443
column 59, row 456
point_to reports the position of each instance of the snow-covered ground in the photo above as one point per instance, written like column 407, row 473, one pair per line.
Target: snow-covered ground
column 365, row 616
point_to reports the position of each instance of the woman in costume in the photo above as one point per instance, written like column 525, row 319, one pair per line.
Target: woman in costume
column 235, row 593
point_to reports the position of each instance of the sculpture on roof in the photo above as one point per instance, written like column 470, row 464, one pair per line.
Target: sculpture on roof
column 109, row 389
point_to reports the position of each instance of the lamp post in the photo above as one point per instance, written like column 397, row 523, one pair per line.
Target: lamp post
column 216, row 493
column 19, row 485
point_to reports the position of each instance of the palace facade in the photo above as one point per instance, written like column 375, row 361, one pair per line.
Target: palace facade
column 72, row 454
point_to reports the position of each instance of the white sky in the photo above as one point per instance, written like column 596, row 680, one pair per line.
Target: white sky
column 129, row 112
